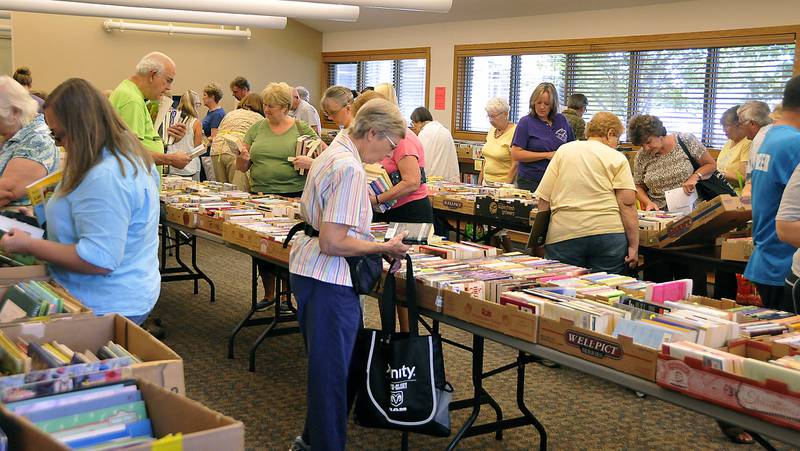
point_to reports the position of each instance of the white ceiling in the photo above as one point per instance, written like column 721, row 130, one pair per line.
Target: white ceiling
column 462, row 10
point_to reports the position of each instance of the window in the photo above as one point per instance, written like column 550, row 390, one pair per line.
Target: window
column 687, row 80
column 406, row 69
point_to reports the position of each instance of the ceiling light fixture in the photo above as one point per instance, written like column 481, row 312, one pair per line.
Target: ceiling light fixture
column 284, row 8
column 435, row 6
column 120, row 25
column 124, row 12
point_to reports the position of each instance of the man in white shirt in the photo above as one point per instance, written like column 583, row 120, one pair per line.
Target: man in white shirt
column 304, row 111
column 437, row 142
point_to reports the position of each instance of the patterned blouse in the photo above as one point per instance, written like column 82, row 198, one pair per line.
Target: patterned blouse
column 32, row 142
column 660, row 173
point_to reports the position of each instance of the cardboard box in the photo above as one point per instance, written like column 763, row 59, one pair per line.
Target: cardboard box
column 10, row 275
column 648, row 238
column 160, row 364
column 708, row 220
column 273, row 249
column 234, row 234
column 454, row 203
column 180, row 216
column 82, row 309
column 737, row 249
column 210, row 224
column 505, row 319
column 513, row 210
column 620, row 353
column 426, row 295
column 770, row 401
column 202, row 429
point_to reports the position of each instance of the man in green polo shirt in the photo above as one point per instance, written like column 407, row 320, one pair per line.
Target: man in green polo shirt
column 153, row 78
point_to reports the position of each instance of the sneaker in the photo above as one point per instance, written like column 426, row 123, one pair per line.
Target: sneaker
column 299, row 444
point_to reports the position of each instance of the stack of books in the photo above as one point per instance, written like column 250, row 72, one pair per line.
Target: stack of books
column 34, row 299
column 379, row 182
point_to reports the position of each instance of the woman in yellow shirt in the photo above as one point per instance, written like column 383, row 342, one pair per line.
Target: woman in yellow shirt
column 732, row 159
column 497, row 163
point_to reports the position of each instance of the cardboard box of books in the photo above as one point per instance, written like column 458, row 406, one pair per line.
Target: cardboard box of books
column 181, row 216
column 273, row 249
column 232, row 233
column 156, row 419
column 620, row 353
column 743, row 381
column 160, row 364
column 210, row 224
column 707, row 221
column 426, row 294
column 506, row 319
column 509, row 209
column 455, row 204
column 37, row 300
column 9, row 275
column 737, row 249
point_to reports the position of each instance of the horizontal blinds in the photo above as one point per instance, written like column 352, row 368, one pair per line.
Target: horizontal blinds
column 377, row 72
column 603, row 78
column 535, row 69
column 343, row 74
column 489, row 77
column 410, row 85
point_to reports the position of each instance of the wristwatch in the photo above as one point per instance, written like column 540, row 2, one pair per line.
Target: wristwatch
column 699, row 175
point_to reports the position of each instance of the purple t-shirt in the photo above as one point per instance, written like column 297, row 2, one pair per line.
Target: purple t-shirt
column 533, row 133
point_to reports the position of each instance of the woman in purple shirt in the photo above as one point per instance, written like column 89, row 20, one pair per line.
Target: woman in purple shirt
column 538, row 135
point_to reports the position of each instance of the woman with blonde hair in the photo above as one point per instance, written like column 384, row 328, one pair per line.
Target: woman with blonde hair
column 187, row 115
column 102, row 220
column 538, row 136
column 588, row 188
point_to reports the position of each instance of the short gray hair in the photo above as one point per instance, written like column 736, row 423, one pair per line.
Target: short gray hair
column 380, row 115
column 497, row 105
column 14, row 96
column 339, row 94
column 755, row 111
column 303, row 93
column 153, row 62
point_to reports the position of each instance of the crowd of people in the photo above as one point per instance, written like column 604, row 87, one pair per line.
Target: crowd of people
column 102, row 221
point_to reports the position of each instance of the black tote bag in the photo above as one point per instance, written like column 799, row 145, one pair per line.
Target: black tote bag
column 715, row 185
column 399, row 377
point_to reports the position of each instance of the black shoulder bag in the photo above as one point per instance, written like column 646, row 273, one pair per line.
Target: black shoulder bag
column 712, row 187
column 399, row 377
column 365, row 270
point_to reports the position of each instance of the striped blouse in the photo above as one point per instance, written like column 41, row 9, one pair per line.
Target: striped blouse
column 335, row 192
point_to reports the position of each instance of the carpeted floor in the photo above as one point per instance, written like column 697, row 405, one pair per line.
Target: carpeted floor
column 579, row 411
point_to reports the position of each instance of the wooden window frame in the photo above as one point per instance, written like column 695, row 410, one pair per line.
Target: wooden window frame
column 358, row 56
column 702, row 39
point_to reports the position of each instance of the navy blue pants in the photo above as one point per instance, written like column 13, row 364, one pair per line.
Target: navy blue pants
column 329, row 317
column 605, row 252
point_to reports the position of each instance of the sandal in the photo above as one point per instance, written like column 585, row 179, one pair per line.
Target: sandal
column 737, row 434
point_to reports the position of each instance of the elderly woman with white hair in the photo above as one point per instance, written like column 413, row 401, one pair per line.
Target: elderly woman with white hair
column 497, row 163
column 28, row 152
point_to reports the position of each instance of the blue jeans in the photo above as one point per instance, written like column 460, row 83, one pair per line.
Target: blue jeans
column 329, row 317
column 605, row 252
column 139, row 319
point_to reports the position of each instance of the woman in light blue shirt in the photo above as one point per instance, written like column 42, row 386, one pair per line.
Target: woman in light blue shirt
column 102, row 220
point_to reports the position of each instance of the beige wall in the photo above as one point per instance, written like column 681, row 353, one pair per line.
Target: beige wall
column 59, row 47
column 5, row 57
column 705, row 15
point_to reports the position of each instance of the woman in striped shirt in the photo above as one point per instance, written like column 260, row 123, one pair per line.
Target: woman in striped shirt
column 335, row 203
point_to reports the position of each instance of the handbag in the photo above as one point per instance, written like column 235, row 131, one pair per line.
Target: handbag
column 365, row 270
column 399, row 377
column 712, row 187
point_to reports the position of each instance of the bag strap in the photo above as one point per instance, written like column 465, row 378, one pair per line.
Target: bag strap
column 695, row 164
column 297, row 227
column 411, row 299
column 387, row 304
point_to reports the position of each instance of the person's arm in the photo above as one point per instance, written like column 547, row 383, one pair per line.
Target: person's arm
column 787, row 221
column 19, row 173
column 243, row 162
column 788, row 232
column 626, row 200
column 512, row 173
column 542, row 205
column 645, row 202
column 410, row 175
column 519, row 154
column 198, row 133
column 334, row 240
column 62, row 255
column 707, row 167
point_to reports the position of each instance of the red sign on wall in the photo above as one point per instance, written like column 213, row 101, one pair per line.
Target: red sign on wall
column 439, row 94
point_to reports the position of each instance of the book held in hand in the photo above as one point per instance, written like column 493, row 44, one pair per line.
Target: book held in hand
column 421, row 233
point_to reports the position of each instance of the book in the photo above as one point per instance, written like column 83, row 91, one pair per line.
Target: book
column 6, row 224
column 419, row 233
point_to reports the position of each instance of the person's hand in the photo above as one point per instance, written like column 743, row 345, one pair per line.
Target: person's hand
column 179, row 159
column 244, row 153
column 395, row 248
column 177, row 131
column 690, row 183
column 632, row 259
column 302, row 162
column 373, row 200
column 15, row 241
column 649, row 206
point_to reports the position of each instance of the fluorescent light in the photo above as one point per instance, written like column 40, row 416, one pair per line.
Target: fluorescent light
column 172, row 29
column 124, row 12
column 5, row 15
column 436, row 6
column 284, row 8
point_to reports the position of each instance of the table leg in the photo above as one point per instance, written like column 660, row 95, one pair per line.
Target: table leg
column 477, row 382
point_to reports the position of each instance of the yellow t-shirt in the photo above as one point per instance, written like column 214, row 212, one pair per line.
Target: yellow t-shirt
column 732, row 155
column 579, row 184
column 497, row 155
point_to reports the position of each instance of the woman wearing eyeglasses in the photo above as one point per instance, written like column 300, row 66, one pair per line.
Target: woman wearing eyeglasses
column 28, row 152
column 538, row 136
column 102, row 220
column 498, row 166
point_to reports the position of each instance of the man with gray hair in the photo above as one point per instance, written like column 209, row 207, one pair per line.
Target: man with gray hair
column 153, row 78
column 303, row 92
column 576, row 108
column 303, row 110
column 755, row 120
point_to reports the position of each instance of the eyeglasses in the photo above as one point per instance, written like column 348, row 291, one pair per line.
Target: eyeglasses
column 492, row 116
column 57, row 137
column 330, row 115
column 392, row 144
